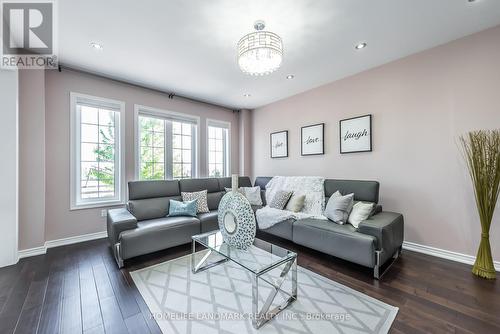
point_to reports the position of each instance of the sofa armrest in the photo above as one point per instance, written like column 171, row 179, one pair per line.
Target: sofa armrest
column 119, row 220
column 388, row 229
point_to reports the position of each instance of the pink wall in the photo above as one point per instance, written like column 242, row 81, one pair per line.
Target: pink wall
column 31, row 158
column 60, row 221
column 420, row 105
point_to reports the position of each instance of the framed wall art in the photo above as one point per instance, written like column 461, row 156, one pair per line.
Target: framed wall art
column 279, row 144
column 312, row 139
column 356, row 134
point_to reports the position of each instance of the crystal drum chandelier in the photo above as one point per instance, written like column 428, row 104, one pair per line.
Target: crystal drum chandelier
column 260, row 52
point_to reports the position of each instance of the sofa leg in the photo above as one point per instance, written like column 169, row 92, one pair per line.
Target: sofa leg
column 116, row 253
column 376, row 270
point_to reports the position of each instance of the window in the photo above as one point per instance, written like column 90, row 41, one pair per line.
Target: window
column 96, row 157
column 218, row 148
column 166, row 144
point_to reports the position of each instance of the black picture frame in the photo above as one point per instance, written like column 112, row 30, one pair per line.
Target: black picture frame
column 370, row 148
column 271, row 144
column 322, row 139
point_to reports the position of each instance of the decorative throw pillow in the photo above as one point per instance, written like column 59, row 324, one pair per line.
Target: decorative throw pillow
column 252, row 194
column 296, row 203
column 360, row 212
column 280, row 199
column 200, row 196
column 339, row 207
column 178, row 208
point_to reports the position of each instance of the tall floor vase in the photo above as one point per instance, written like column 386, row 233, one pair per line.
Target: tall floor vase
column 482, row 153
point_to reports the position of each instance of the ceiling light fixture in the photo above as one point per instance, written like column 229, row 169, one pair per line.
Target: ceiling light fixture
column 96, row 46
column 260, row 52
column 360, row 46
column 247, row 95
column 290, row 76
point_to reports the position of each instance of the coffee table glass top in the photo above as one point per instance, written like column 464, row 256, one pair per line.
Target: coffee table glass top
column 258, row 258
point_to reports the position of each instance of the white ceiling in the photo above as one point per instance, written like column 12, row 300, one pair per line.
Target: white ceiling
column 189, row 46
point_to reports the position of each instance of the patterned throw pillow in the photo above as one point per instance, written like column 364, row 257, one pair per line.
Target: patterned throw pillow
column 200, row 196
column 280, row 199
column 178, row 208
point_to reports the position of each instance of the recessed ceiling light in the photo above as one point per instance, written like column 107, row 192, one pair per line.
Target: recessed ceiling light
column 247, row 95
column 96, row 46
column 290, row 76
column 360, row 46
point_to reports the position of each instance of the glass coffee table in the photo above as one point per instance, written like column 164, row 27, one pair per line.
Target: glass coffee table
column 259, row 259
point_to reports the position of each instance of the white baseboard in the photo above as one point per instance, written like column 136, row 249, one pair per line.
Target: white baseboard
column 444, row 254
column 411, row 246
column 32, row 252
column 60, row 242
column 74, row 240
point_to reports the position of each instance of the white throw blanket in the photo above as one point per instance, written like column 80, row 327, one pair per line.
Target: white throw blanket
column 310, row 186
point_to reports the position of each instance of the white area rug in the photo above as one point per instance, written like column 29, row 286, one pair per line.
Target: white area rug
column 219, row 300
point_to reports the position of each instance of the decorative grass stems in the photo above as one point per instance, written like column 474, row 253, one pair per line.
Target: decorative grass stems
column 481, row 151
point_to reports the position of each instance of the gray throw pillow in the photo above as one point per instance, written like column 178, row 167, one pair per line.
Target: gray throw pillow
column 339, row 207
column 280, row 199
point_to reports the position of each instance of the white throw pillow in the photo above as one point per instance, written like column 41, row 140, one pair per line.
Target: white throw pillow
column 253, row 195
column 360, row 212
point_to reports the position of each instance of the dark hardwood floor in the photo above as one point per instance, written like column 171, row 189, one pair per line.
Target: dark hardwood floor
column 78, row 289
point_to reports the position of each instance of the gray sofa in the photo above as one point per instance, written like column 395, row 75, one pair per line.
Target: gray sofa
column 143, row 226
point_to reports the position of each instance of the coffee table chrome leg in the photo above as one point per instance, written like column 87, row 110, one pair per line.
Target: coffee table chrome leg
column 255, row 300
column 264, row 315
column 200, row 266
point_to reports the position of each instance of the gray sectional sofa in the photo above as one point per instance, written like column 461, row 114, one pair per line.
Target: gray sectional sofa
column 143, row 226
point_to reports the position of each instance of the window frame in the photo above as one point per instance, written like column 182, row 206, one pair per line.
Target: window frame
column 225, row 125
column 76, row 202
column 171, row 116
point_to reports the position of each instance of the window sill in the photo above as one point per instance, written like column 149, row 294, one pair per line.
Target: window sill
column 96, row 205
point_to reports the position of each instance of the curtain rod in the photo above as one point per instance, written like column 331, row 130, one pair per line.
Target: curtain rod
column 170, row 95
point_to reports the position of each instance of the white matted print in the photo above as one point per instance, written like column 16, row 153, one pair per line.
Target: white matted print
column 279, row 144
column 356, row 134
column 312, row 138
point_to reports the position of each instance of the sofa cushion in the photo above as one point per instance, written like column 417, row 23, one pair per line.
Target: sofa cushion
column 152, row 189
column 150, row 208
column 363, row 190
column 262, row 181
column 157, row 234
column 283, row 229
column 256, row 207
column 208, row 221
column 226, row 182
column 211, row 185
column 341, row 241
